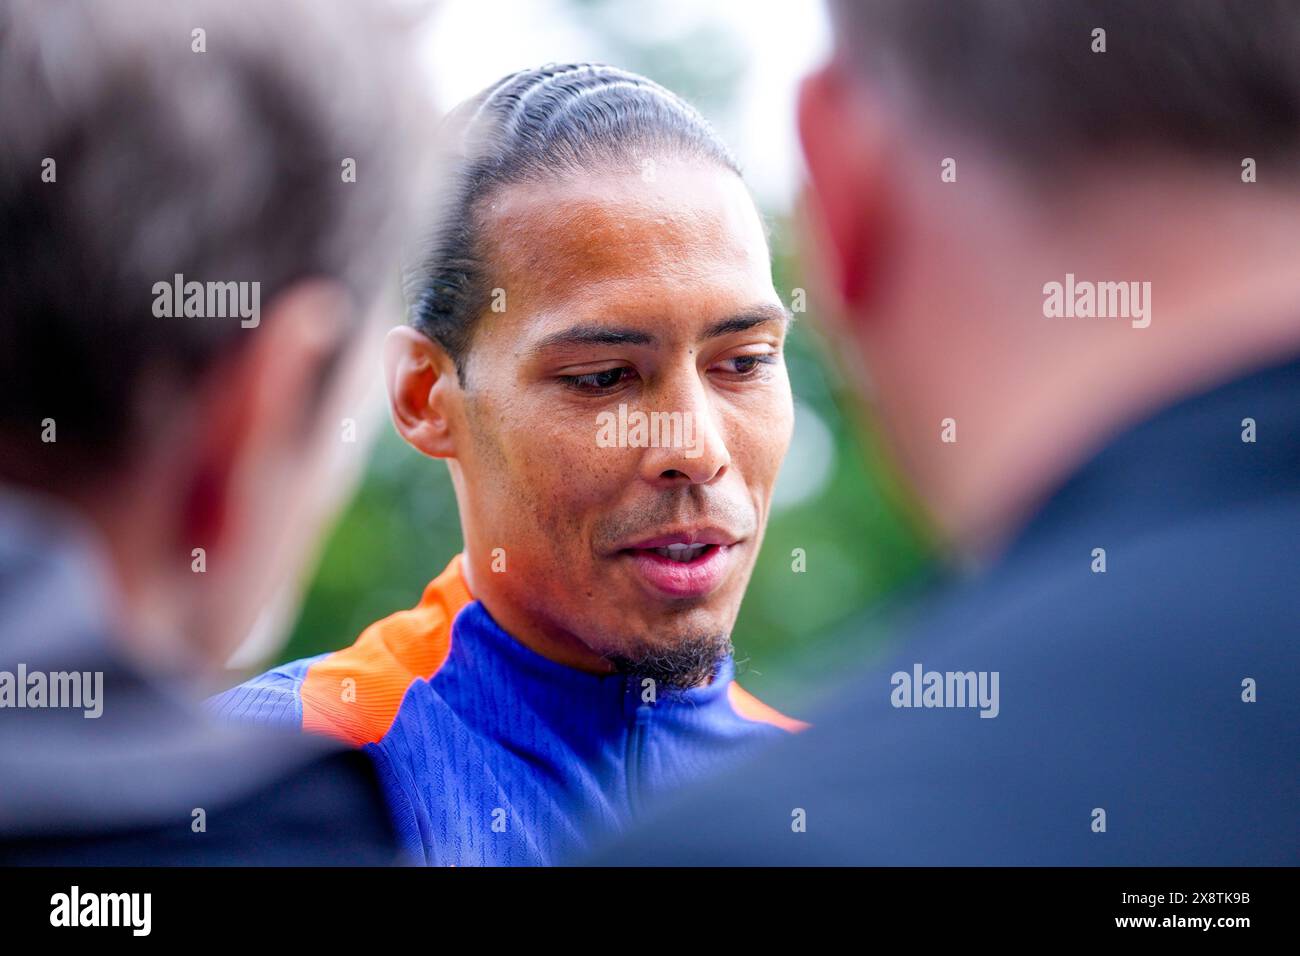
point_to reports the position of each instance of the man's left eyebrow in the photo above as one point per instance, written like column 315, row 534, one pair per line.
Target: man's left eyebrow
column 593, row 335
column 742, row 321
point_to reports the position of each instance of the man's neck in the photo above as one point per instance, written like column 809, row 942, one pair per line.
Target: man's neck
column 561, row 647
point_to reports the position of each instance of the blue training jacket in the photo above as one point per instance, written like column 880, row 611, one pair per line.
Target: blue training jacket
column 491, row 754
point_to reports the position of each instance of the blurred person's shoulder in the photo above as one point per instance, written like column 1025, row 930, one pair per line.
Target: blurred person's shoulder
column 101, row 763
column 169, row 787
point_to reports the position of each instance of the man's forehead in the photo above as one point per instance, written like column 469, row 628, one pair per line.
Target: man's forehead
column 547, row 241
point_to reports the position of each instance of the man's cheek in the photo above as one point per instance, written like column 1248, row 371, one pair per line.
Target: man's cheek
column 762, row 465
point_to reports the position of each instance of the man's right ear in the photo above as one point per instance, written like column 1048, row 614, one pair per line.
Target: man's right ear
column 423, row 391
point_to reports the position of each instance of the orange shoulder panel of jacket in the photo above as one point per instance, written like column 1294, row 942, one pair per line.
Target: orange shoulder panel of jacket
column 751, row 708
column 386, row 658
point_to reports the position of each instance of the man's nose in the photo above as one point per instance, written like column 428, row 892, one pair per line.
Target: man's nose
column 690, row 447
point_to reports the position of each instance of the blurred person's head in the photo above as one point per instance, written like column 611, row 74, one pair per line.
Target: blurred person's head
column 187, row 275
column 596, row 349
column 964, row 157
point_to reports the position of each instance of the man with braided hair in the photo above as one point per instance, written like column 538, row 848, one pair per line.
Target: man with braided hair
column 595, row 347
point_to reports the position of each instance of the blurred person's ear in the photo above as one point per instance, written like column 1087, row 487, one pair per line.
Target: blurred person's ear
column 256, row 405
column 846, row 166
column 422, row 385
column 268, row 464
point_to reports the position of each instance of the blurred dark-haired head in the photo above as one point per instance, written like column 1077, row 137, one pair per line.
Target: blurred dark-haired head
column 970, row 161
column 200, row 204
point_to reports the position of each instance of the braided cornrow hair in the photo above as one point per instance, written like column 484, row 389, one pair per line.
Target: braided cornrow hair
column 533, row 126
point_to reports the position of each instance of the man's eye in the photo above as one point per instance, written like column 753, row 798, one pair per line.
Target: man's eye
column 745, row 365
column 601, row 381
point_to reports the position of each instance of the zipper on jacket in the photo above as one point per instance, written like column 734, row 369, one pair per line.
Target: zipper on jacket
column 635, row 745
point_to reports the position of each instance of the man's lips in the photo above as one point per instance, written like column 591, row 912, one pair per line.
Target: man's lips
column 710, row 554
column 686, row 536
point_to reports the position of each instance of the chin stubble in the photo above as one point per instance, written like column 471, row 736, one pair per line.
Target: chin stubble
column 688, row 662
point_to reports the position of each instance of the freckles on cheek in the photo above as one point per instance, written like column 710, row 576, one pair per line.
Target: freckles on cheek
column 549, row 470
column 573, row 489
